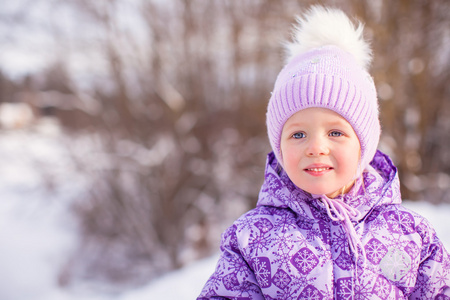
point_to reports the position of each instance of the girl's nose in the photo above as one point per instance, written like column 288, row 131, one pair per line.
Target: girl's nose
column 317, row 147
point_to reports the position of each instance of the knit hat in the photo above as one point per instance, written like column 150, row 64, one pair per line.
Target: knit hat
column 327, row 68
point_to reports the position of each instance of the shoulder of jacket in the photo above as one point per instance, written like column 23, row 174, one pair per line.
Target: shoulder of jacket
column 260, row 214
column 420, row 225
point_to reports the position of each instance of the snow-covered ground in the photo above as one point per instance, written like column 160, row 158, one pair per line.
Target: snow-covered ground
column 37, row 232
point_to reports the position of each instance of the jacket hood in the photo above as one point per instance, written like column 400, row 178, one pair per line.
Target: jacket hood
column 380, row 187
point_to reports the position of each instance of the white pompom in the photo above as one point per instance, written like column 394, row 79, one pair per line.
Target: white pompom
column 321, row 26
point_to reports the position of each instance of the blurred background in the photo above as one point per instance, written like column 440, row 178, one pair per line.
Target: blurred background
column 145, row 119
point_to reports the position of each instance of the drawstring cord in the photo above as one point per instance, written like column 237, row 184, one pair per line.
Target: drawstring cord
column 345, row 213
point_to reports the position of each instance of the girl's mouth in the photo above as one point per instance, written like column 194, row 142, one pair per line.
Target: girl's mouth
column 317, row 170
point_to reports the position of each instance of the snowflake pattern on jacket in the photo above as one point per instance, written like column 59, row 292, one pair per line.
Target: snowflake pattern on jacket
column 289, row 248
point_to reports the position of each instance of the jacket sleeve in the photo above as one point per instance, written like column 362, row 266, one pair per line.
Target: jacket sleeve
column 233, row 277
column 433, row 279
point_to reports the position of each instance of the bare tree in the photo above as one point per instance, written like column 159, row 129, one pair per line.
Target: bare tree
column 411, row 70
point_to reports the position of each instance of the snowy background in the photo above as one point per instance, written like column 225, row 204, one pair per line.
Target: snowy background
column 195, row 80
column 38, row 233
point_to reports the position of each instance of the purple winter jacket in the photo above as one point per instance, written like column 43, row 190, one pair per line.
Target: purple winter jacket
column 289, row 248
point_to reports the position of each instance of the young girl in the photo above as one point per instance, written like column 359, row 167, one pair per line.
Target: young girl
column 329, row 223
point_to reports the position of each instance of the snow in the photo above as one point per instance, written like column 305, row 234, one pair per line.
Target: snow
column 186, row 283
column 37, row 232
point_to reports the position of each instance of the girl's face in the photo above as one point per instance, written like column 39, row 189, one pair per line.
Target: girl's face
column 320, row 152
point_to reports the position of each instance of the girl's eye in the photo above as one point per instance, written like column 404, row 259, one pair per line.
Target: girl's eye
column 299, row 135
column 336, row 134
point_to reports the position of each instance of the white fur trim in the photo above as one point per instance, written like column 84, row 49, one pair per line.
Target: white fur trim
column 321, row 26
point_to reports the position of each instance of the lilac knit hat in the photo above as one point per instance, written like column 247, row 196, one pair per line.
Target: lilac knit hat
column 327, row 68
